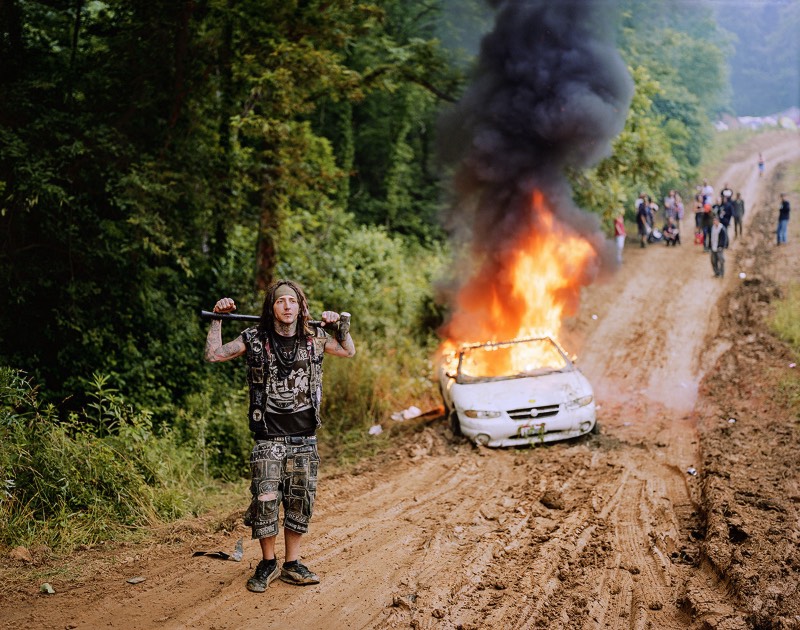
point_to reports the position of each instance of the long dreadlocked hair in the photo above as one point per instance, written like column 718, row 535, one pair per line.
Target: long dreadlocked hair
column 267, row 323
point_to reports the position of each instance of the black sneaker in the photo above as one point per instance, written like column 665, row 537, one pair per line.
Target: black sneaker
column 266, row 571
column 296, row 572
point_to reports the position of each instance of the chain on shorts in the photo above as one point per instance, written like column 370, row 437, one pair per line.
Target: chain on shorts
column 282, row 474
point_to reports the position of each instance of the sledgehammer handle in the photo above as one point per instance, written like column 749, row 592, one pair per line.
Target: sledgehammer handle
column 239, row 317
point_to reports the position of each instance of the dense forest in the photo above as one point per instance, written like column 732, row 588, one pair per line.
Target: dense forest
column 155, row 156
column 763, row 36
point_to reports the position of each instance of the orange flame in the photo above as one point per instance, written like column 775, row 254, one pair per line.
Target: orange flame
column 524, row 290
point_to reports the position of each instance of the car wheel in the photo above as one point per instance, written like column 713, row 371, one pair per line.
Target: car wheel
column 455, row 425
column 595, row 429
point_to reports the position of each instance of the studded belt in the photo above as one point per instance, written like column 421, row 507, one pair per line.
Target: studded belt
column 290, row 439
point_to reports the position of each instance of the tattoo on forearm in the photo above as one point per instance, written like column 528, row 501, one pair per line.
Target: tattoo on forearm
column 214, row 338
column 228, row 350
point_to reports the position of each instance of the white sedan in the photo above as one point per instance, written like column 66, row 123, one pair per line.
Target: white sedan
column 525, row 391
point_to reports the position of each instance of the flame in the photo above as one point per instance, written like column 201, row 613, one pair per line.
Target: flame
column 521, row 291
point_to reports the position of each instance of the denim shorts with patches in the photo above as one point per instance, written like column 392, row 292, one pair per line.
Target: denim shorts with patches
column 282, row 473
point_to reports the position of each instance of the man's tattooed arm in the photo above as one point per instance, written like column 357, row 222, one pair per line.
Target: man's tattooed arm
column 215, row 351
column 344, row 349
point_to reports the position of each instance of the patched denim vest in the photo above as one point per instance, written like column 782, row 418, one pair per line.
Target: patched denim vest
column 262, row 368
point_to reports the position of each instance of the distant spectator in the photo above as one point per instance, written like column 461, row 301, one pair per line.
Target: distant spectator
column 717, row 244
column 698, row 211
column 708, row 192
column 672, row 235
column 738, row 214
column 619, row 234
column 643, row 227
column 679, row 210
column 708, row 214
column 725, row 212
column 761, row 165
column 669, row 206
column 652, row 212
column 783, row 219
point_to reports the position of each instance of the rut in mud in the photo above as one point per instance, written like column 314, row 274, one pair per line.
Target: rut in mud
column 609, row 531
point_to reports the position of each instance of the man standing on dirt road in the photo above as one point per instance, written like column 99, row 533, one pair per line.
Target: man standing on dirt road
column 718, row 243
column 783, row 219
column 284, row 375
column 738, row 214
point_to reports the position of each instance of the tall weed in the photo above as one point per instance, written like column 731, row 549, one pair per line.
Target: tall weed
column 366, row 390
column 100, row 472
column 786, row 320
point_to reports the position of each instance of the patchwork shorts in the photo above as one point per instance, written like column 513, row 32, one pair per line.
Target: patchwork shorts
column 282, row 473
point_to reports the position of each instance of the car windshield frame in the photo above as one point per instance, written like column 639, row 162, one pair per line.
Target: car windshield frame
column 463, row 378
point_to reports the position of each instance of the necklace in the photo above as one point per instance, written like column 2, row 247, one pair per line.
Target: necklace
column 285, row 351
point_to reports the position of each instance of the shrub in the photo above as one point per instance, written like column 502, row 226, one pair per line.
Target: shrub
column 78, row 481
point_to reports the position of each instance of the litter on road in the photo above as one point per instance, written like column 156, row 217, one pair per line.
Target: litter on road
column 236, row 556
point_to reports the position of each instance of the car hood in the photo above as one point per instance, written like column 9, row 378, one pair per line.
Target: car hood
column 518, row 393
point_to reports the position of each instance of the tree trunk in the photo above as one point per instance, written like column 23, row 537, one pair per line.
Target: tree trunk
column 272, row 200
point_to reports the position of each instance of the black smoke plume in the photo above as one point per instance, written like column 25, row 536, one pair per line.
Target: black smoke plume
column 550, row 92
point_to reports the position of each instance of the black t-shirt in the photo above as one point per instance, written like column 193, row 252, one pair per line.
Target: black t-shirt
column 289, row 410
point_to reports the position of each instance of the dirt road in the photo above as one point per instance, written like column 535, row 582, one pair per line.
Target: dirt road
column 616, row 531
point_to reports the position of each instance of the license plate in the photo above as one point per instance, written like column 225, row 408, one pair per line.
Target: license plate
column 531, row 430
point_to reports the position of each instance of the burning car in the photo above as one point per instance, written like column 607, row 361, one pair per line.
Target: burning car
column 510, row 393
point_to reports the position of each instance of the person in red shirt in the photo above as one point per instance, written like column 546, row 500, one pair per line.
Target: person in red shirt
column 619, row 234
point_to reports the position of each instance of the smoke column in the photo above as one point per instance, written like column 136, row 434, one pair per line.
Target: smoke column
column 550, row 92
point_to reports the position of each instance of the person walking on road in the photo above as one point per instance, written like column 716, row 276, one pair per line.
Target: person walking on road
column 761, row 165
column 718, row 243
column 284, row 375
column 783, row 219
column 738, row 214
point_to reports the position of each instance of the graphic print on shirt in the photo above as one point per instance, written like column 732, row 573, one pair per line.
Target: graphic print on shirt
column 291, row 394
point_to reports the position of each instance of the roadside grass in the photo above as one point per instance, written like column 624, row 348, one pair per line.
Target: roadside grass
column 736, row 144
column 723, row 145
column 365, row 392
column 785, row 320
column 107, row 473
column 786, row 324
column 103, row 473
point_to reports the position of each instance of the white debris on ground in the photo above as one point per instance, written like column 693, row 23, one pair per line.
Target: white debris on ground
column 407, row 414
column 375, row 429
